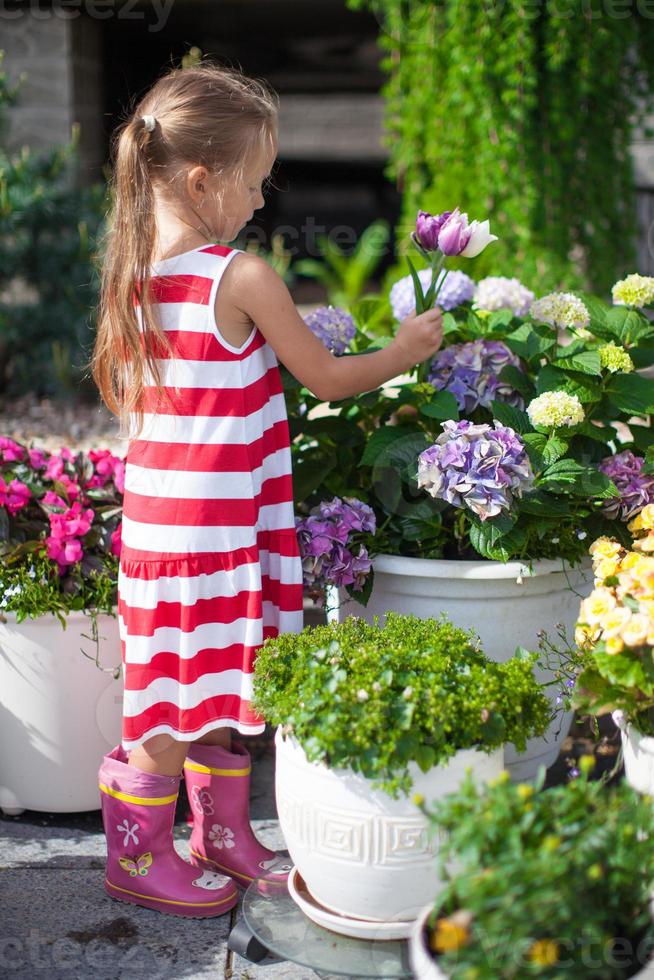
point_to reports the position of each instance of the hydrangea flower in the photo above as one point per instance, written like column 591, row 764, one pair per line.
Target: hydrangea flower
column 333, row 326
column 635, row 290
column 475, row 466
column 615, row 358
column 636, row 488
column 456, row 288
column 501, row 293
column 555, row 408
column 327, row 538
column 470, row 372
column 564, row 310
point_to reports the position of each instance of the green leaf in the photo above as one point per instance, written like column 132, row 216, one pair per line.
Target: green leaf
column 500, row 318
column 380, row 440
column 581, row 481
column 587, row 362
column 530, row 342
column 486, row 536
column 511, row 416
column 417, row 287
column 518, row 381
column 629, row 326
column 449, row 324
column 443, row 406
column 362, row 595
column 309, row 474
column 631, row 393
column 554, row 449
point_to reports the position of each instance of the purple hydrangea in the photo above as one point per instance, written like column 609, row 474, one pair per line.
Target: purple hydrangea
column 471, row 373
column 333, row 326
column 327, row 538
column 636, row 488
column 457, row 288
column 477, row 467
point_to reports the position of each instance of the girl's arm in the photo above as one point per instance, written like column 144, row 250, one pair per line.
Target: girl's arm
column 262, row 295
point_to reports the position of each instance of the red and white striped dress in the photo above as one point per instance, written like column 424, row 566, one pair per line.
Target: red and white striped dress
column 210, row 564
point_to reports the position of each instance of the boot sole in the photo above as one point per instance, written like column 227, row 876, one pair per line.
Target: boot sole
column 189, row 910
column 241, row 880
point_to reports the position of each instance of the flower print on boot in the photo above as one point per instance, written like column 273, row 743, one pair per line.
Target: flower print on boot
column 222, row 837
column 143, row 867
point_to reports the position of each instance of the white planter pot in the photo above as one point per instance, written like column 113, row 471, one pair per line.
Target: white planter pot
column 425, row 967
column 360, row 852
column 504, row 603
column 638, row 754
column 59, row 714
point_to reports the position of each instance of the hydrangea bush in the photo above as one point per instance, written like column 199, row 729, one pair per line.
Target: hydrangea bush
column 375, row 699
column 556, row 376
column 549, row 883
column 60, row 523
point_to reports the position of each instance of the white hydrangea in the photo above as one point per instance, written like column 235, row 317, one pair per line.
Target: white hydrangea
column 500, row 292
column 555, row 408
column 635, row 290
column 563, row 310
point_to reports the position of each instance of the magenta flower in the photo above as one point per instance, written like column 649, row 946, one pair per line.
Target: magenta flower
column 38, row 459
column 14, row 496
column 54, row 468
column 116, row 540
column 52, row 499
column 11, row 452
column 65, row 551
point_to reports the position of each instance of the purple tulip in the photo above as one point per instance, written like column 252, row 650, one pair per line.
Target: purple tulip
column 460, row 237
column 427, row 230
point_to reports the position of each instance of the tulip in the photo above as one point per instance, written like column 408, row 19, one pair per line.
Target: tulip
column 428, row 227
column 459, row 237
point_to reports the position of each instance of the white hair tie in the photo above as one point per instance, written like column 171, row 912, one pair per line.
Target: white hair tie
column 149, row 122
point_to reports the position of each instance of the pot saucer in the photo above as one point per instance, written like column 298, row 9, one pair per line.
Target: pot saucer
column 342, row 924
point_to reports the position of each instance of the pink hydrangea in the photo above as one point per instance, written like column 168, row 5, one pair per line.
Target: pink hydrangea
column 14, row 496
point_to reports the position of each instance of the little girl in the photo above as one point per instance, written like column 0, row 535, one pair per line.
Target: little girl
column 189, row 337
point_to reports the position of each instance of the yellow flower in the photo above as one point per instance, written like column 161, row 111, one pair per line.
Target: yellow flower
column 524, row 791
column 615, row 621
column 644, row 519
column 605, row 567
column 635, row 632
column 451, row 934
column 585, row 636
column 418, row 799
column 605, row 547
column 555, row 408
column 614, row 644
column 544, row 952
column 645, row 544
column 597, row 605
column 615, row 358
column 551, row 843
column 595, row 872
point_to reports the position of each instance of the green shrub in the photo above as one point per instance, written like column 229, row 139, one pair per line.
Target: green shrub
column 375, row 699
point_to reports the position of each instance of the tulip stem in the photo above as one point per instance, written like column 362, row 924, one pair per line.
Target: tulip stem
column 437, row 263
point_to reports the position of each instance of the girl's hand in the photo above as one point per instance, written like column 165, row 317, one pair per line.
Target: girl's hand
column 419, row 336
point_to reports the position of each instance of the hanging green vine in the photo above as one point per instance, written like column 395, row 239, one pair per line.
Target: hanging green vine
column 523, row 112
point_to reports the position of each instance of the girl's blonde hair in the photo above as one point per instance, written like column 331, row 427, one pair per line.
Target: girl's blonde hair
column 207, row 115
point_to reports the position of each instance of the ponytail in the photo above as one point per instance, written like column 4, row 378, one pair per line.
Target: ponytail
column 206, row 115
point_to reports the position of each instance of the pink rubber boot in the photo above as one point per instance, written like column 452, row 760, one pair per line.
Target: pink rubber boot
column 218, row 785
column 143, row 867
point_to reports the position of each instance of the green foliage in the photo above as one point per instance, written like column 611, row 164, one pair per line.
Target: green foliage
column 374, row 699
column 35, row 588
column 387, row 429
column 563, row 874
column 48, row 281
column 345, row 276
column 523, row 113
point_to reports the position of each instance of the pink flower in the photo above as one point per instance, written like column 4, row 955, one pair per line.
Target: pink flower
column 72, row 488
column 65, row 551
column 119, row 475
column 116, row 540
column 53, row 499
column 38, row 458
column 67, row 454
column 54, row 468
column 74, row 522
column 10, row 450
column 15, row 496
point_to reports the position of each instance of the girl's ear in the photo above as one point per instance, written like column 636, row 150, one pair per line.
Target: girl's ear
column 196, row 183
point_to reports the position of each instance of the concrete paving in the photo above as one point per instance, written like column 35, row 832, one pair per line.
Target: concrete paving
column 57, row 922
